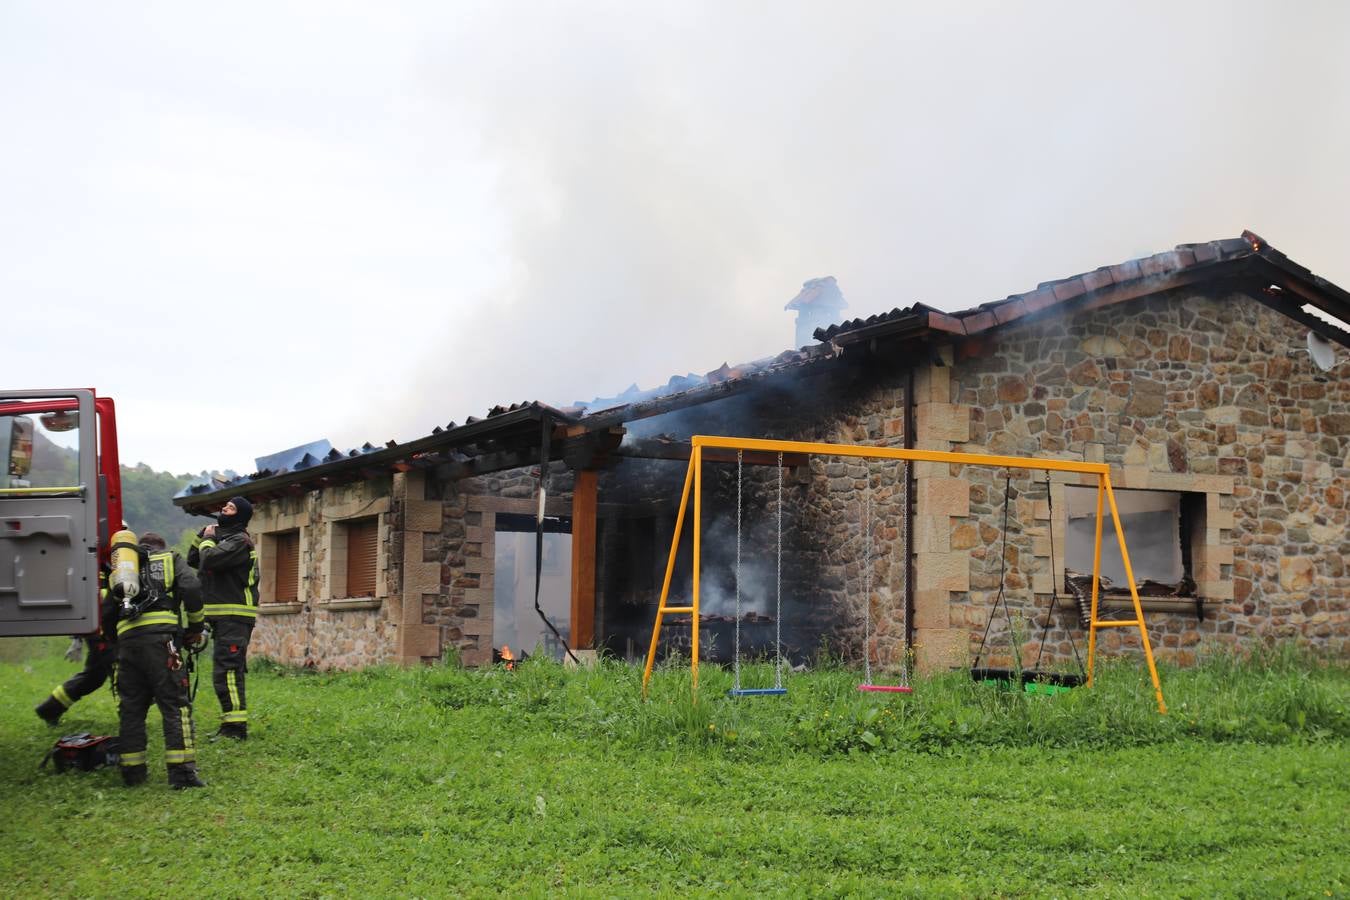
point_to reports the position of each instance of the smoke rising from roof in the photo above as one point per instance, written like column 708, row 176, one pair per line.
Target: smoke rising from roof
column 404, row 216
column 670, row 177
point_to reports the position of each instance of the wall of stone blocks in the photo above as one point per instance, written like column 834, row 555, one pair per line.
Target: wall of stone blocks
column 320, row 630
column 457, row 607
column 1206, row 395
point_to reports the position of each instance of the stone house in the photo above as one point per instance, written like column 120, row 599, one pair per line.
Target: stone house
column 1207, row 377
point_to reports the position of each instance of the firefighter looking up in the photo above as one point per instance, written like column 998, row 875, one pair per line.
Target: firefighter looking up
column 152, row 653
column 100, row 654
column 228, row 565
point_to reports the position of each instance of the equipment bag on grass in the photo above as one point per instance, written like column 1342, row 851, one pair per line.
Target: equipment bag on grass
column 83, row 751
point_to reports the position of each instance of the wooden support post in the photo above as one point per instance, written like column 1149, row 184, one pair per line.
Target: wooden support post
column 583, row 558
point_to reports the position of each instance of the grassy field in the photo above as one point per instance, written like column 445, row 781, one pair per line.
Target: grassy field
column 439, row 781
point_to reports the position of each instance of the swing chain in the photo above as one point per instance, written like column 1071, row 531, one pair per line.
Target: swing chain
column 867, row 586
column 778, row 601
column 736, row 655
column 1054, row 590
column 904, row 570
column 1002, row 582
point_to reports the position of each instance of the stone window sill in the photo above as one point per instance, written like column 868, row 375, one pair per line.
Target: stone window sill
column 351, row 603
column 1154, row 604
column 279, row 609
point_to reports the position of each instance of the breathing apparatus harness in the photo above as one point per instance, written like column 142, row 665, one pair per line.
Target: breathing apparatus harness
column 149, row 589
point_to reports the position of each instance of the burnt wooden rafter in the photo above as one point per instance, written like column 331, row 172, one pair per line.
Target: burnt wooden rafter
column 487, row 463
column 658, row 448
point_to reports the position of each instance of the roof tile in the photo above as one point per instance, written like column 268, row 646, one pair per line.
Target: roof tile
column 1126, row 271
column 1069, row 288
column 1038, row 300
column 1157, row 264
column 1097, row 279
column 1013, row 307
column 979, row 321
column 1203, row 252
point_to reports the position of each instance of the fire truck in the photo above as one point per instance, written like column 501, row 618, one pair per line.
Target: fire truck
column 60, row 503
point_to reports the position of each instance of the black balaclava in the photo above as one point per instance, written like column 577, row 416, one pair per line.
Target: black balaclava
column 243, row 511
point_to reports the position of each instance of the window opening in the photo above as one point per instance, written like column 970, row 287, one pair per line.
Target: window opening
column 362, row 553
column 1153, row 525
column 287, row 566
column 514, row 621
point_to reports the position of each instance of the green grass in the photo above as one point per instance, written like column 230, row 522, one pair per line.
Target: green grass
column 440, row 781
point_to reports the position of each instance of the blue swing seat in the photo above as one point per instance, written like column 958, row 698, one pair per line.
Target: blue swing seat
column 756, row 692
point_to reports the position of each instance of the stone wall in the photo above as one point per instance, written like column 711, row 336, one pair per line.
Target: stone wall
column 321, row 630
column 1212, row 397
column 1207, row 397
column 461, row 551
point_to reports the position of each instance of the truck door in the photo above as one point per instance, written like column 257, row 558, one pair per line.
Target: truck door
column 49, row 513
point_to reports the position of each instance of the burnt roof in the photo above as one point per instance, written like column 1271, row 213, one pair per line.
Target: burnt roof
column 690, row 390
column 514, row 427
column 1283, row 285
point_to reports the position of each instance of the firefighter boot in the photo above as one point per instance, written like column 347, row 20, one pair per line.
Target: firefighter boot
column 133, row 775
column 50, row 710
column 184, row 776
column 235, row 730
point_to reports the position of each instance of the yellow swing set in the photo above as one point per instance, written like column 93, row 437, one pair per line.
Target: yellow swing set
column 693, row 488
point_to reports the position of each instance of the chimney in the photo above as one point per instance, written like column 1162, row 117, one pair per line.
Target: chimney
column 818, row 305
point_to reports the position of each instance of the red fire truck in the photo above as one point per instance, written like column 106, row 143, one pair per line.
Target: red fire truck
column 60, row 501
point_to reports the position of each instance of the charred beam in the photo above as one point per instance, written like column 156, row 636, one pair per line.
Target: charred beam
column 591, row 449
column 706, row 393
column 655, row 448
column 488, row 463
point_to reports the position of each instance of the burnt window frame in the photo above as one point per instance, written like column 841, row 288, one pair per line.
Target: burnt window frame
column 1190, row 518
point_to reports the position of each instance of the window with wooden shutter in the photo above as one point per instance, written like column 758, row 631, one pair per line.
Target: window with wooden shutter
column 362, row 554
column 286, row 565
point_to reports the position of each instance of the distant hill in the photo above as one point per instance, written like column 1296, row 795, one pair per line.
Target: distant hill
column 147, row 495
column 147, row 502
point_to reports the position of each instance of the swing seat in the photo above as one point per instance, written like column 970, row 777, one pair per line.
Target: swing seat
column 886, row 688
column 1032, row 681
column 987, row 675
column 756, row 692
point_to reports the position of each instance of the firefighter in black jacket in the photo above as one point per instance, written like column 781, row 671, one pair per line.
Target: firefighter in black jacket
column 100, row 656
column 227, row 562
column 152, row 648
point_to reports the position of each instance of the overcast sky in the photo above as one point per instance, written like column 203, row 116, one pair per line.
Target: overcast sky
column 257, row 225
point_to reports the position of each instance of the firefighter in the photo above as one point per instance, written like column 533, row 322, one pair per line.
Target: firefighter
column 228, row 565
column 100, row 655
column 152, row 649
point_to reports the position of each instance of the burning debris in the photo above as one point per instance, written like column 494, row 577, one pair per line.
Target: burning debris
column 1080, row 586
column 505, row 658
